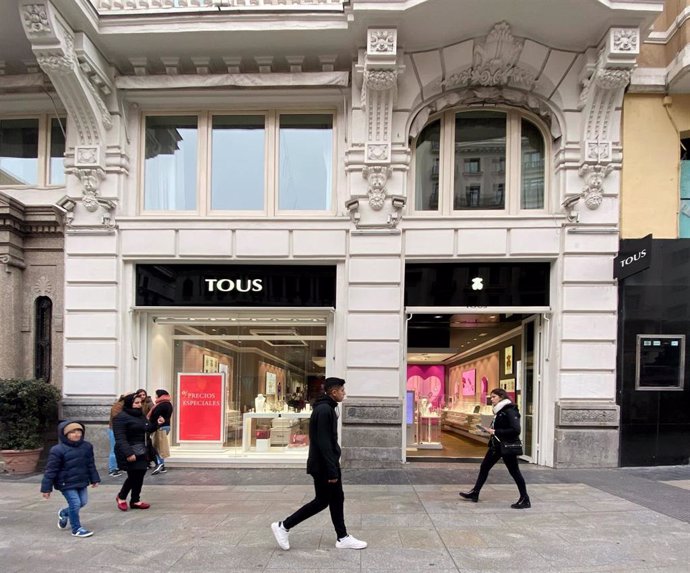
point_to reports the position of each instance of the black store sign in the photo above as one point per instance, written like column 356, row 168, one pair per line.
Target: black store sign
column 235, row 285
column 477, row 284
column 636, row 257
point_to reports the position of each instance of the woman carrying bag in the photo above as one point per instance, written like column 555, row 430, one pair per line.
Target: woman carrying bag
column 504, row 443
column 131, row 433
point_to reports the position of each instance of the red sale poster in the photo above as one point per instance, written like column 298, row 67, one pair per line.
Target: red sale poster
column 200, row 408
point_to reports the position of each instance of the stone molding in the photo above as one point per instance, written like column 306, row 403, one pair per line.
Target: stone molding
column 82, row 79
column 495, row 62
column 603, row 83
column 468, row 96
column 372, row 411
column 587, row 415
column 378, row 70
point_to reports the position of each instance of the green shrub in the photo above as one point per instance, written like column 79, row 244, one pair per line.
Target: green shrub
column 26, row 408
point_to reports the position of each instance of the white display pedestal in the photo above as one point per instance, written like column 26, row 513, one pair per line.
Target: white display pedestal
column 263, row 445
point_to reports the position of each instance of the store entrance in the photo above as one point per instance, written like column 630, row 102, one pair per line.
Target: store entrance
column 453, row 363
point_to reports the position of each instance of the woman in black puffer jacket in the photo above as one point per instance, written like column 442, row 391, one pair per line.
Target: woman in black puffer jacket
column 504, row 428
column 131, row 432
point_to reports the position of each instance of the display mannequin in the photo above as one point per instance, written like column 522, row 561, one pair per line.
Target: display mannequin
column 259, row 403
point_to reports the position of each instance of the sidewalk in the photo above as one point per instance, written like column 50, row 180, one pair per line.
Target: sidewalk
column 218, row 520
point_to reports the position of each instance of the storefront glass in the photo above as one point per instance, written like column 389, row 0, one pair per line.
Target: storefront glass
column 242, row 385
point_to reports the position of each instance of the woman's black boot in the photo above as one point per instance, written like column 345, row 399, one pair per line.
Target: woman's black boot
column 522, row 503
column 470, row 495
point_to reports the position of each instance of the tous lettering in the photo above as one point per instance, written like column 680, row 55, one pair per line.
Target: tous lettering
column 229, row 285
column 632, row 258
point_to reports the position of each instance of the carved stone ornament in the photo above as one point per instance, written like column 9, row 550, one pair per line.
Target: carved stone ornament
column 378, row 152
column 598, row 151
column 86, row 155
column 594, row 175
column 382, row 41
column 36, row 18
column 626, row 40
column 377, row 177
column 487, row 96
column 495, row 62
column 90, row 179
column 42, row 287
column 380, row 80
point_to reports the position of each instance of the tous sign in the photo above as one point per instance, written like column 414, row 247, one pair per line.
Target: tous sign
column 229, row 285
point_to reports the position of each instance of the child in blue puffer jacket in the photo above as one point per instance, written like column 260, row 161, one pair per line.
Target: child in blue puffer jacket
column 70, row 469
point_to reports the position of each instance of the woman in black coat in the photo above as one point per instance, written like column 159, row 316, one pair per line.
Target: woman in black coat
column 504, row 428
column 131, row 429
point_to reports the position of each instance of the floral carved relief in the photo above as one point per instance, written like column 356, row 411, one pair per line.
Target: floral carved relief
column 36, row 19
column 382, row 41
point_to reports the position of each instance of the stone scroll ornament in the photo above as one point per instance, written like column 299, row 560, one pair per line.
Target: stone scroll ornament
column 379, row 69
column 603, row 85
column 81, row 79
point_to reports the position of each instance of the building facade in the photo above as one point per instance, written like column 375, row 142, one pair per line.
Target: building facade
column 259, row 194
column 655, row 203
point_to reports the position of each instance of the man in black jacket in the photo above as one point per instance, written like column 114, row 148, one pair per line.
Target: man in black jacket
column 323, row 465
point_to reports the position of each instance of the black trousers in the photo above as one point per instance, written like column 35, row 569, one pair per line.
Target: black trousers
column 511, row 462
column 133, row 483
column 327, row 495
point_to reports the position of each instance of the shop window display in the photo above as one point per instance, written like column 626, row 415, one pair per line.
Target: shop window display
column 270, row 370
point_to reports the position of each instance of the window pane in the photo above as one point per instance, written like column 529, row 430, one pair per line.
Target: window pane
column 306, row 162
column 18, row 152
column 57, row 151
column 427, row 168
column 480, row 150
column 237, row 162
column 532, row 184
column 43, row 337
column 171, row 162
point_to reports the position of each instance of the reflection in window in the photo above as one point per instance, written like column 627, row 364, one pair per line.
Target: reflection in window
column 42, row 337
column 532, row 184
column 480, row 136
column 427, row 167
column 57, row 151
column 306, row 162
column 18, row 151
column 684, row 211
column 171, row 163
column 237, row 163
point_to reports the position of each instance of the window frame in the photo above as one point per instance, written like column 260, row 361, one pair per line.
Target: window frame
column 512, row 168
column 43, row 148
column 205, row 158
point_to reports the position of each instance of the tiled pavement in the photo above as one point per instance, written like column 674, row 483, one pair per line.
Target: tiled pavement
column 218, row 520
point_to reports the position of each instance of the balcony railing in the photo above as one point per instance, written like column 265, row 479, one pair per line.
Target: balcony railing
column 127, row 7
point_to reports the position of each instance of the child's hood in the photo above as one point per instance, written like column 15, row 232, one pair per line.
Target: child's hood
column 63, row 438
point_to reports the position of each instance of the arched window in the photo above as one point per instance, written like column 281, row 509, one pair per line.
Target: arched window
column 480, row 160
column 43, row 337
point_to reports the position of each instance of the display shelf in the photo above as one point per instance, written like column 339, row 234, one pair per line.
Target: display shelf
column 463, row 424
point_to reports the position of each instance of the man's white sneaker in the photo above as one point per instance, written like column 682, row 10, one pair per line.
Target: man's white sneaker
column 350, row 542
column 281, row 534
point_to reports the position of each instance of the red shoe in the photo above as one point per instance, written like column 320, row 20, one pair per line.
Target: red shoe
column 121, row 504
column 140, row 505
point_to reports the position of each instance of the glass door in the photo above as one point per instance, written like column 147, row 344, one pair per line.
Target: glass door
column 528, row 386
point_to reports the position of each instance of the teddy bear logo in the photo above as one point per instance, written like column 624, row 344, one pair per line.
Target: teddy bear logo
column 477, row 283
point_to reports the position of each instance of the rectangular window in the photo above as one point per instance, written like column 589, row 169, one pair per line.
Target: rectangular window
column 473, row 165
column 481, row 135
column 170, row 172
column 238, row 162
column 306, row 162
column 57, row 151
column 19, row 152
